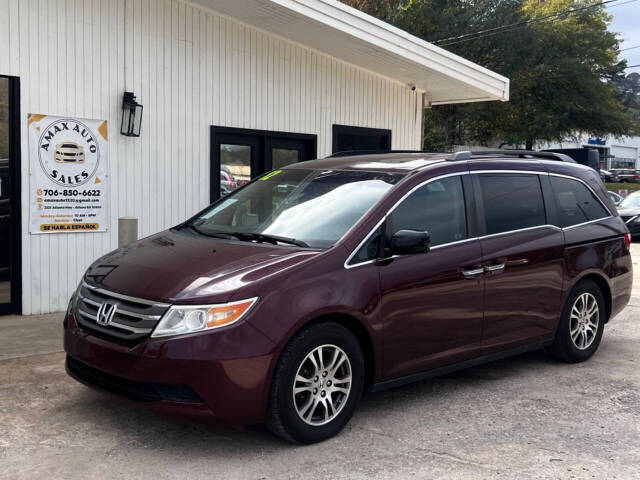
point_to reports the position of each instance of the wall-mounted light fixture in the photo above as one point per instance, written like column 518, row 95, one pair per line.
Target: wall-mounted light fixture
column 131, row 115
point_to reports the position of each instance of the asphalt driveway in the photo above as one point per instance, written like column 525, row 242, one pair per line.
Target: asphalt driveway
column 524, row 417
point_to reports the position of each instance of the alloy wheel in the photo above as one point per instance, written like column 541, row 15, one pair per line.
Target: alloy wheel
column 322, row 385
column 584, row 320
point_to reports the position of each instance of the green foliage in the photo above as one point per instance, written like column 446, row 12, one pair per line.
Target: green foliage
column 564, row 72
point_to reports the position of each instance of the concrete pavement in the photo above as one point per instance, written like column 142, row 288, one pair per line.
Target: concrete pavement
column 524, row 417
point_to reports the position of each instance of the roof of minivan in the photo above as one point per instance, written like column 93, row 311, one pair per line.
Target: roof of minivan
column 405, row 162
column 385, row 162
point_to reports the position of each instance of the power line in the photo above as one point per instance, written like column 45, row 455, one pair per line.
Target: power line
column 505, row 28
column 633, row 66
column 629, row 48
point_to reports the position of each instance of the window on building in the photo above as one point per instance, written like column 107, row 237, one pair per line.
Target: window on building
column 511, row 202
column 346, row 138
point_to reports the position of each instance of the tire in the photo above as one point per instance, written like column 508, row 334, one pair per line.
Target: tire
column 581, row 345
column 283, row 417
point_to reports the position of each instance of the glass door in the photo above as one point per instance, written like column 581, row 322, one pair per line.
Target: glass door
column 237, row 159
column 9, row 195
column 284, row 151
column 238, row 155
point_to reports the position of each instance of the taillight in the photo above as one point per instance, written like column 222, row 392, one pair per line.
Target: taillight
column 627, row 239
column 635, row 175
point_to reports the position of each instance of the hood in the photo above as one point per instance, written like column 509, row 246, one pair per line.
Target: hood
column 628, row 211
column 181, row 267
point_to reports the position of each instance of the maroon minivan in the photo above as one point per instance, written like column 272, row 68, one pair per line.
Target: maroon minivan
column 283, row 301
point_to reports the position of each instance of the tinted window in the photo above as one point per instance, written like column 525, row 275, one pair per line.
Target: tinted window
column 576, row 203
column 511, row 202
column 438, row 208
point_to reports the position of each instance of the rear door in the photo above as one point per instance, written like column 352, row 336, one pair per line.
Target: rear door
column 522, row 258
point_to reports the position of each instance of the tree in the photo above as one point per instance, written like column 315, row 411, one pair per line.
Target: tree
column 382, row 9
column 559, row 55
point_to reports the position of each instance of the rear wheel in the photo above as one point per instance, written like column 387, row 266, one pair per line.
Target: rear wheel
column 316, row 385
column 582, row 324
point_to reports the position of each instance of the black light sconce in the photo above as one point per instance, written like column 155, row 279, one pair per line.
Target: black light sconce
column 131, row 116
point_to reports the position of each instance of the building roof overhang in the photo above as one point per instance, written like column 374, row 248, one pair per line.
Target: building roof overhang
column 335, row 29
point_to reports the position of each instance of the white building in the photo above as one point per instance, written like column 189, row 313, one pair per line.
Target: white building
column 623, row 152
column 252, row 83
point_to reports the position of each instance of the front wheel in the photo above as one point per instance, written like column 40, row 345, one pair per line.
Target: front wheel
column 582, row 324
column 317, row 384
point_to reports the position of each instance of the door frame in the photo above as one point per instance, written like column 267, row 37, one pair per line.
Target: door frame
column 15, row 241
column 261, row 158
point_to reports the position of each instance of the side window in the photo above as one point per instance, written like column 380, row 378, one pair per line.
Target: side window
column 576, row 203
column 511, row 202
column 437, row 207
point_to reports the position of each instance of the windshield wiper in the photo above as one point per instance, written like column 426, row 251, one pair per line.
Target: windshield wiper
column 274, row 239
column 211, row 234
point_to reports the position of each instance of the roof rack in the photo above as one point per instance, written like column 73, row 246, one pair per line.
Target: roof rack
column 466, row 155
column 350, row 153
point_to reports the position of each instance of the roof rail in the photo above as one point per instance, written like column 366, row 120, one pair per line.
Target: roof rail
column 466, row 155
column 349, row 153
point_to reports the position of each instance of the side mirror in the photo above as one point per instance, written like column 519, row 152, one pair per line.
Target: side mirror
column 410, row 242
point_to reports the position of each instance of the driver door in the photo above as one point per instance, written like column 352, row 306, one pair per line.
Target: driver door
column 432, row 302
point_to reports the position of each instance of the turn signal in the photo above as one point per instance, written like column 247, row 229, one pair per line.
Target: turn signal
column 228, row 313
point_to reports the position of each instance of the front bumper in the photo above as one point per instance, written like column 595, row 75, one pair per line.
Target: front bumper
column 218, row 377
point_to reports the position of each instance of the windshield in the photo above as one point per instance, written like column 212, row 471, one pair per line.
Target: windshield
column 632, row 200
column 312, row 207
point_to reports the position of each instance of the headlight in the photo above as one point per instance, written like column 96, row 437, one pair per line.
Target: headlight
column 181, row 319
column 74, row 298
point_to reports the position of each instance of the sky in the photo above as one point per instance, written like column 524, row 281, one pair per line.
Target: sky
column 626, row 21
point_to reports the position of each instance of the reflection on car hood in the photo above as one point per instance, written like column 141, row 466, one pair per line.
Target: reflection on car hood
column 181, row 267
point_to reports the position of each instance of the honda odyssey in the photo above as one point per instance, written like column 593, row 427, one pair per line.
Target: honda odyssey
column 288, row 298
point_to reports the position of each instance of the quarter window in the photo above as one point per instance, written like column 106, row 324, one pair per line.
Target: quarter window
column 576, row 203
column 511, row 202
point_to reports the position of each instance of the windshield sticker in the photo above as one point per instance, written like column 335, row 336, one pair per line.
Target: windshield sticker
column 270, row 175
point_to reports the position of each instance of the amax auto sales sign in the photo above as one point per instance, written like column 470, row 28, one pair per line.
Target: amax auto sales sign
column 68, row 167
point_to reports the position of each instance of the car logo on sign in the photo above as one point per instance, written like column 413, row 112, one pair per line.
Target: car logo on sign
column 105, row 313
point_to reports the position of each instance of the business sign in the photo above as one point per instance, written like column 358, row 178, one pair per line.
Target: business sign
column 68, row 173
column 596, row 141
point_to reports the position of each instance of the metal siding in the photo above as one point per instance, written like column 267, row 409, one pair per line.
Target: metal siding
column 190, row 68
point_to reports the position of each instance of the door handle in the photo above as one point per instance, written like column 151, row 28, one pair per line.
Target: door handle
column 472, row 273
column 498, row 267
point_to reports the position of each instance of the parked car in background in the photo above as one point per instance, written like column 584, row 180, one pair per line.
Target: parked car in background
column 629, row 210
column 285, row 300
column 627, row 175
column 609, row 177
column 615, row 198
column 227, row 183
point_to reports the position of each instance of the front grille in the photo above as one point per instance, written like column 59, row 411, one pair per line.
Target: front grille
column 139, row 391
column 133, row 320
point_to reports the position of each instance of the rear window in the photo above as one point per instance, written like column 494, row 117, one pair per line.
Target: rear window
column 576, row 203
column 511, row 202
